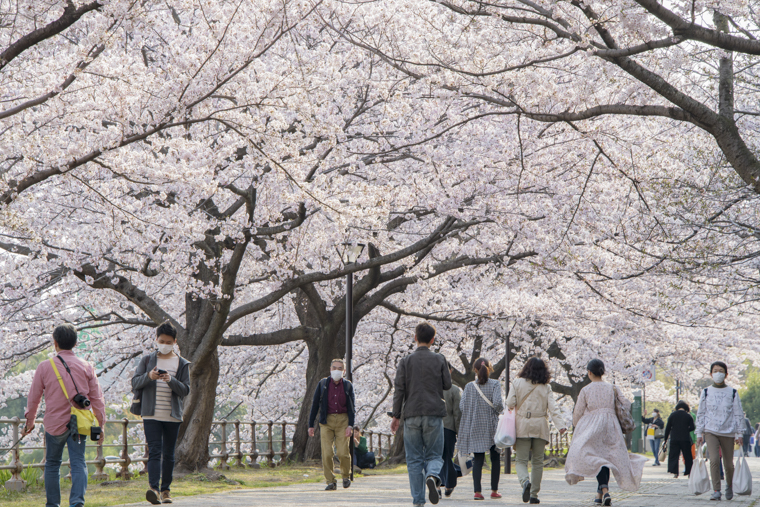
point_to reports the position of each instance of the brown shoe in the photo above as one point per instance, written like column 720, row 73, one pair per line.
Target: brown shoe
column 166, row 497
column 153, row 496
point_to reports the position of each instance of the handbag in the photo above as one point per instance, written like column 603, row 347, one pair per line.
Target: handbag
column 465, row 463
column 623, row 413
column 664, row 451
column 659, row 432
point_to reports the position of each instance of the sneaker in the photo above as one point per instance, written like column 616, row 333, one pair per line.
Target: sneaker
column 729, row 493
column 526, row 492
column 153, row 496
column 495, row 495
column 479, row 496
column 448, row 492
column 534, row 500
column 166, row 497
column 346, row 483
column 606, row 499
column 715, row 495
column 433, row 483
column 331, row 487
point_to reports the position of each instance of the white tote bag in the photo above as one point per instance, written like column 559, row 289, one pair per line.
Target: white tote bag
column 742, row 476
column 699, row 479
column 465, row 462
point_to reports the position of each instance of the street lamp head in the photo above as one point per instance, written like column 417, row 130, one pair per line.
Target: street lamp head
column 350, row 252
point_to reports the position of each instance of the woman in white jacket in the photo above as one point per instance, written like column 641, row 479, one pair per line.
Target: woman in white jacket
column 534, row 400
column 720, row 423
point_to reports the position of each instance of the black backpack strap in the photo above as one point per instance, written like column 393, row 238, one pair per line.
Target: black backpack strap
column 734, row 395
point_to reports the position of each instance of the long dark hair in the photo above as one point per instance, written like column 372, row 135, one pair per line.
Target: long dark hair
column 482, row 365
column 596, row 366
column 536, row 370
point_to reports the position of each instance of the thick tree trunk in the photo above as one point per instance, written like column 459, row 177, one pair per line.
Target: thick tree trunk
column 398, row 454
column 318, row 367
column 192, row 445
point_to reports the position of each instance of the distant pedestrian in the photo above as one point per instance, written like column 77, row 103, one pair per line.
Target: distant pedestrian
column 656, row 425
column 720, row 423
column 60, row 379
column 747, row 435
column 678, row 430
column 452, row 397
column 335, row 403
column 598, row 445
column 421, row 379
column 163, row 380
column 363, row 457
column 757, row 440
column 533, row 398
column 481, row 405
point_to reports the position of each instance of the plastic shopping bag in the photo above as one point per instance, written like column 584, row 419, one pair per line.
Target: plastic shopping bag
column 742, row 477
column 463, row 463
column 505, row 431
column 699, row 479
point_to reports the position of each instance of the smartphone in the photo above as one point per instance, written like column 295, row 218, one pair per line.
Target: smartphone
column 162, row 372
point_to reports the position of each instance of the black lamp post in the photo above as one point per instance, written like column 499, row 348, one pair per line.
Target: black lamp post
column 508, row 450
column 349, row 253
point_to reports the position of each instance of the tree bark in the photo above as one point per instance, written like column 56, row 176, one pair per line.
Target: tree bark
column 192, row 443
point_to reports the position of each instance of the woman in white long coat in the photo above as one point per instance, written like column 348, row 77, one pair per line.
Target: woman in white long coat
column 598, row 445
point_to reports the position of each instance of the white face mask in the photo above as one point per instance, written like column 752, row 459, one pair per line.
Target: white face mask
column 718, row 377
column 336, row 375
column 165, row 348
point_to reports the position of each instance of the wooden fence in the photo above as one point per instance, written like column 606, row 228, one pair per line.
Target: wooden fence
column 241, row 443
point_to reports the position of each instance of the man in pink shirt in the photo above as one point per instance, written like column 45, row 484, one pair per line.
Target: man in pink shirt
column 58, row 415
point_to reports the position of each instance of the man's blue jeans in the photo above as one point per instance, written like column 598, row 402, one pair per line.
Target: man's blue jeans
column 423, row 443
column 53, row 455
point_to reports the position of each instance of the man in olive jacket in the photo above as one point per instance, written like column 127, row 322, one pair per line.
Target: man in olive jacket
column 421, row 379
column 452, row 397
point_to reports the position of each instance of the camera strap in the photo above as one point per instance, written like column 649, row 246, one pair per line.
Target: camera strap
column 70, row 375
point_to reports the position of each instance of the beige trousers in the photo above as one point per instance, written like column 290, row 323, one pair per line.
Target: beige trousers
column 726, row 445
column 335, row 431
column 523, row 447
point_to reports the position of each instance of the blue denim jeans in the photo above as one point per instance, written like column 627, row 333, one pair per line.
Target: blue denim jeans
column 53, row 455
column 161, row 437
column 655, row 444
column 423, row 443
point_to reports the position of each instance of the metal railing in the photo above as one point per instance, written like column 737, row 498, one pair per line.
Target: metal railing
column 558, row 445
column 270, row 442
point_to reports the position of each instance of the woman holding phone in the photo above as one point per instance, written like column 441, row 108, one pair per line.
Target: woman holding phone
column 160, row 383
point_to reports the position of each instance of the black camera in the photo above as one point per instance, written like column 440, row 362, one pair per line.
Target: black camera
column 81, row 400
column 96, row 433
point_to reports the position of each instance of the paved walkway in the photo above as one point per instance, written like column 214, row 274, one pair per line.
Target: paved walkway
column 658, row 489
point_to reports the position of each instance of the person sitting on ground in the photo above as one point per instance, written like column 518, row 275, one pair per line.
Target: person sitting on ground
column 720, row 423
column 363, row 458
column 678, row 430
column 334, row 401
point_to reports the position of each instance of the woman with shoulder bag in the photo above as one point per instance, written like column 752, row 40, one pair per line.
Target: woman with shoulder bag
column 656, row 425
column 533, row 400
column 481, row 405
column 598, row 447
column 160, row 383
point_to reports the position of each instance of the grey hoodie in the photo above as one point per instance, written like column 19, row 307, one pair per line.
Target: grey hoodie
column 180, row 385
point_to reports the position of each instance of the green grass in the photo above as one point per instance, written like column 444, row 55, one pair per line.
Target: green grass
column 133, row 491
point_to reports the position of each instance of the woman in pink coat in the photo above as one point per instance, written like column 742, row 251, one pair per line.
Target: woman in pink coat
column 598, row 445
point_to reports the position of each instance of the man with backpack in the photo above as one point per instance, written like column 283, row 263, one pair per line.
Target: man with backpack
column 335, row 403
column 61, row 391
